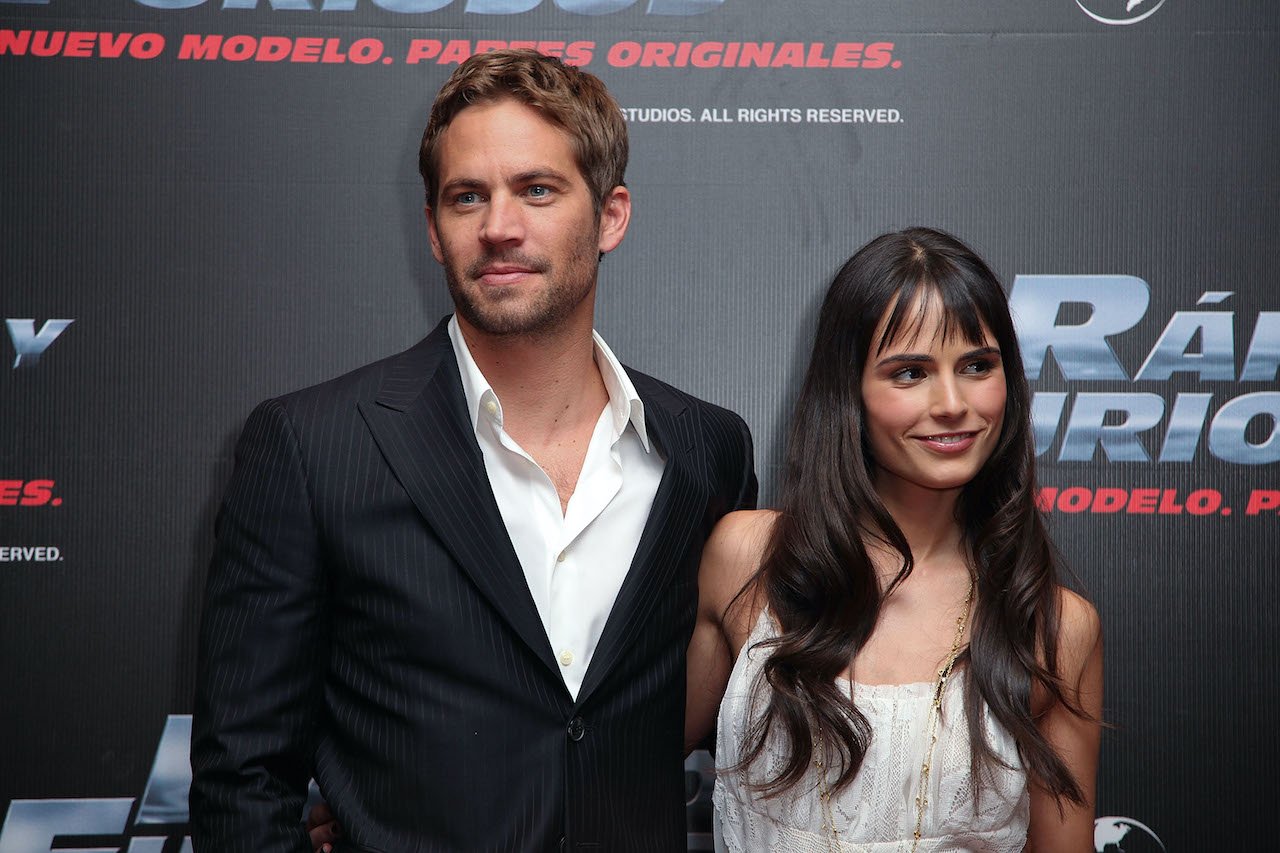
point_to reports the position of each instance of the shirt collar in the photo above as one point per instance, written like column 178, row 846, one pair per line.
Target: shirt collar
column 625, row 405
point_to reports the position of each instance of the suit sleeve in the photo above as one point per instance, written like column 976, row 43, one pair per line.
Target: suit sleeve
column 262, row 651
column 748, row 487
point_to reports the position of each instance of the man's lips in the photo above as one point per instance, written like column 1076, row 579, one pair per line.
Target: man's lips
column 504, row 274
column 948, row 442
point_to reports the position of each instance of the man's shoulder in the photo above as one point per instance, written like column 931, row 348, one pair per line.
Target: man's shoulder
column 358, row 384
column 397, row 377
column 725, row 439
column 674, row 398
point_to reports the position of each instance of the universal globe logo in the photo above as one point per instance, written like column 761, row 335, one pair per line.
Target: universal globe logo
column 1119, row 13
column 1125, row 835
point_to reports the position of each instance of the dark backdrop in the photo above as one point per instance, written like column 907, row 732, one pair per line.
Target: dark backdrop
column 222, row 229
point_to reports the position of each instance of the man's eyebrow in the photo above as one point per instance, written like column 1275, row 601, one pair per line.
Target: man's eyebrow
column 525, row 177
column 539, row 174
column 462, row 183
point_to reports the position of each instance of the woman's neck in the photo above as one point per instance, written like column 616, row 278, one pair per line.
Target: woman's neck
column 927, row 520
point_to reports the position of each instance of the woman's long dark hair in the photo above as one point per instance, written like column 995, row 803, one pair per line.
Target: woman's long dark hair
column 817, row 578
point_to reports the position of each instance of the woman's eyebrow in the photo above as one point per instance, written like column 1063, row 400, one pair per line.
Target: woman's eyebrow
column 905, row 358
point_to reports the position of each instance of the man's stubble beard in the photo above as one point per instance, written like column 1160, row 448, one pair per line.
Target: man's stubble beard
column 510, row 314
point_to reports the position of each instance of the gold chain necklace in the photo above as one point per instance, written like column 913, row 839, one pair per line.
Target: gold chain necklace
column 824, row 796
column 935, row 711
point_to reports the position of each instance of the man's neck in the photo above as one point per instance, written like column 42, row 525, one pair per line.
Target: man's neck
column 549, row 385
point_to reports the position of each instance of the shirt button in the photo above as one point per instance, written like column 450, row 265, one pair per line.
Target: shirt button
column 566, row 657
column 560, row 557
column 491, row 406
column 576, row 729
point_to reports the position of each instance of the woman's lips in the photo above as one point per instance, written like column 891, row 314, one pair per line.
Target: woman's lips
column 948, row 442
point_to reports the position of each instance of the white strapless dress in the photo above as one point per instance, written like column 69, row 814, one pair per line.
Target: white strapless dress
column 877, row 812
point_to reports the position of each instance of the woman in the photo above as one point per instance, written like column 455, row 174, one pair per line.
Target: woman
column 903, row 669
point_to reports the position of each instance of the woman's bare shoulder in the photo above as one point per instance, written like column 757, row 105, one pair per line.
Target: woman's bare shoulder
column 730, row 560
column 746, row 528
column 1079, row 633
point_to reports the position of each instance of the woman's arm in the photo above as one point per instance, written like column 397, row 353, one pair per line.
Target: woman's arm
column 1062, row 826
column 322, row 828
column 729, row 561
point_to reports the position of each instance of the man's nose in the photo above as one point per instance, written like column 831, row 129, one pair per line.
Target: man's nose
column 503, row 220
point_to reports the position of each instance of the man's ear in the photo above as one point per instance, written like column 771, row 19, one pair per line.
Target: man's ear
column 615, row 215
column 434, row 233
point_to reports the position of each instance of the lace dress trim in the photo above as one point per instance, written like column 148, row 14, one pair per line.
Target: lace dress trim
column 876, row 813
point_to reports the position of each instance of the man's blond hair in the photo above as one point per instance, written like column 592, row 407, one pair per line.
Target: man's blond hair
column 565, row 96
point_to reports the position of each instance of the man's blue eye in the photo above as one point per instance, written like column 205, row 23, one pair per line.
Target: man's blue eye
column 539, row 191
column 467, row 198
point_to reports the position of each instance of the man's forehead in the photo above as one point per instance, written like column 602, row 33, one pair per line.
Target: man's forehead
column 508, row 130
column 506, row 114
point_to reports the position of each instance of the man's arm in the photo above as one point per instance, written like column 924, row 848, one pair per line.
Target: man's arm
column 262, row 651
column 748, row 490
column 720, row 577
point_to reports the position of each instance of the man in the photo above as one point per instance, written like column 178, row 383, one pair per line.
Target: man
column 457, row 585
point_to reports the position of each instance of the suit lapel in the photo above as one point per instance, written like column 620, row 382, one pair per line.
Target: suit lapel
column 420, row 424
column 677, row 510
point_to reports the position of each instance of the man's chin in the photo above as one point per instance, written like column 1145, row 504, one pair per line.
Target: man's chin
column 512, row 323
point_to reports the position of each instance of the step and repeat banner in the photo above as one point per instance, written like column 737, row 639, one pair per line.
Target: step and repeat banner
column 207, row 202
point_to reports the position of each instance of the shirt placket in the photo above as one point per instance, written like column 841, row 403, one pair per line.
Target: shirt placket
column 598, row 482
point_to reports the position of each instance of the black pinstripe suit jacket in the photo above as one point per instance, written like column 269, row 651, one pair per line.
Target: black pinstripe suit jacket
column 366, row 620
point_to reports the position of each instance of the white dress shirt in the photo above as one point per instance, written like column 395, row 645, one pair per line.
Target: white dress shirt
column 574, row 561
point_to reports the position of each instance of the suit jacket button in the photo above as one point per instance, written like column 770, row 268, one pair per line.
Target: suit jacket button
column 576, row 729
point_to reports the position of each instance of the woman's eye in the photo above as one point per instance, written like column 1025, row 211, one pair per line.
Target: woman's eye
column 909, row 374
column 979, row 367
